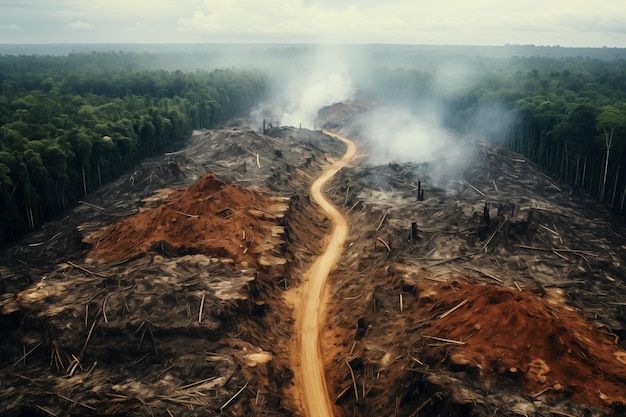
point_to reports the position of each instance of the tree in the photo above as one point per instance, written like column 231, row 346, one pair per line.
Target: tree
column 611, row 120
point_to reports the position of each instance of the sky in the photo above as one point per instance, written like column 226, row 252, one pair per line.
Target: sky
column 434, row 22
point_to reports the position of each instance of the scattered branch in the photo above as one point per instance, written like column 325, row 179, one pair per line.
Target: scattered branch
column 574, row 251
column 440, row 339
column 493, row 235
column 352, row 208
column 88, row 338
column 475, row 189
column 493, row 277
column 193, row 216
column 95, row 274
column 384, row 243
column 356, row 391
column 233, row 397
column 92, row 205
column 382, row 221
column 453, row 309
column 23, row 358
column 201, row 307
column 88, row 407
column 549, row 230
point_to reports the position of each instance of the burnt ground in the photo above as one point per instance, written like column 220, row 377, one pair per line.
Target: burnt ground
column 508, row 300
column 162, row 294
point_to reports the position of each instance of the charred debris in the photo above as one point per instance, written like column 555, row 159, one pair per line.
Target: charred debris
column 496, row 292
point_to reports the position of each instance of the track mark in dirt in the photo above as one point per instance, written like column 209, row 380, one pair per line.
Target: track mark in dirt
column 316, row 402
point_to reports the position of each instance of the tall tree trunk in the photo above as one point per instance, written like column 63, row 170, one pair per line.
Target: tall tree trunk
column 99, row 176
column 584, row 172
column 615, row 186
column 600, row 181
column 608, row 141
column 566, row 157
column 84, row 181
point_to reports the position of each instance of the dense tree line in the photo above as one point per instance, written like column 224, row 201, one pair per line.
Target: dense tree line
column 567, row 114
column 69, row 124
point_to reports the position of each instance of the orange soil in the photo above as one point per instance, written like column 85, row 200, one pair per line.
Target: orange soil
column 310, row 375
column 210, row 217
column 546, row 345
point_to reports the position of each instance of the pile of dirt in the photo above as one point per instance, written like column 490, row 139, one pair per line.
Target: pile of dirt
column 210, row 217
column 509, row 349
column 169, row 307
column 540, row 342
column 177, row 308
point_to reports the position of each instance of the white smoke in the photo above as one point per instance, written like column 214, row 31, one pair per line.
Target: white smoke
column 395, row 134
column 299, row 90
column 305, row 97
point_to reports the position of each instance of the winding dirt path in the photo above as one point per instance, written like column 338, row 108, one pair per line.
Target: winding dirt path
column 316, row 401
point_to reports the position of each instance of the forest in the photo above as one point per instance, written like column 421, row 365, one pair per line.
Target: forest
column 69, row 124
column 568, row 114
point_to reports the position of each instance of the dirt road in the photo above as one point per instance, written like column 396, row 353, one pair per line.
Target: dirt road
column 316, row 401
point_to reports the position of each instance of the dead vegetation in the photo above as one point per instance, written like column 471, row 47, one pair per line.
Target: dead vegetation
column 161, row 295
column 500, row 293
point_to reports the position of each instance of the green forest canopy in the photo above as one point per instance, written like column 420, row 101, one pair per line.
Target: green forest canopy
column 69, row 124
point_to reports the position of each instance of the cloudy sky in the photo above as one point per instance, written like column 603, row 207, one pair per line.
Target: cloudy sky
column 438, row 22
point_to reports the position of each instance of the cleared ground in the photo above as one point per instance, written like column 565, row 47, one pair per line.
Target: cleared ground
column 179, row 289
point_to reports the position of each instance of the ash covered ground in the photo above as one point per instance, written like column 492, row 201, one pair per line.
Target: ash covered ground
column 161, row 294
column 495, row 290
column 500, row 292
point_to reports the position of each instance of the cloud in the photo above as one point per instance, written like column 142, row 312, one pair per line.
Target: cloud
column 402, row 21
column 276, row 17
column 492, row 22
column 140, row 27
column 11, row 26
column 79, row 24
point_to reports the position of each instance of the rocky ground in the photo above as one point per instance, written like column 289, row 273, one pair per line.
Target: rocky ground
column 500, row 293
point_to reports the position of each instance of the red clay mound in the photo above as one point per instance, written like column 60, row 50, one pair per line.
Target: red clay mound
column 546, row 346
column 210, row 217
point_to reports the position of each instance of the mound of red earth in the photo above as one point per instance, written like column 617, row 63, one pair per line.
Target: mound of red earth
column 210, row 217
column 545, row 345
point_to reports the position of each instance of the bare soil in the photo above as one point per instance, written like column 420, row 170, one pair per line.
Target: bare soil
column 310, row 307
column 509, row 300
column 177, row 289
column 162, row 294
